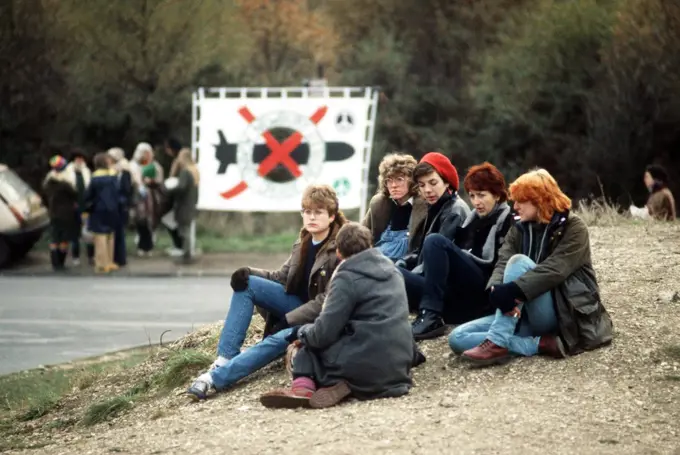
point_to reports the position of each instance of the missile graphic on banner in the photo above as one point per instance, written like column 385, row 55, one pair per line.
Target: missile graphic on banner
column 225, row 152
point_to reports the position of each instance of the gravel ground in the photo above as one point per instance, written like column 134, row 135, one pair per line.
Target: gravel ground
column 620, row 399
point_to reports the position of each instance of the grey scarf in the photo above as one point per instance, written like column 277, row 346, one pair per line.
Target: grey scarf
column 489, row 248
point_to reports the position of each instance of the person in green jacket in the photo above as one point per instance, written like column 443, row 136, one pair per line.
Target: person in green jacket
column 185, row 197
column 543, row 286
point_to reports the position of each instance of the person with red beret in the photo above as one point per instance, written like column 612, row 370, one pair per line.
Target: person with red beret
column 438, row 182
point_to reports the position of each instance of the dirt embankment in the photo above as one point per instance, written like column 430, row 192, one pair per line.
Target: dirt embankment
column 618, row 400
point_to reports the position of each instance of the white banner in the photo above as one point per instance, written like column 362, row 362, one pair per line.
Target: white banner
column 259, row 153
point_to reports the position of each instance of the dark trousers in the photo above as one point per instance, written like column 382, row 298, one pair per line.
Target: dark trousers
column 119, row 247
column 453, row 285
column 145, row 242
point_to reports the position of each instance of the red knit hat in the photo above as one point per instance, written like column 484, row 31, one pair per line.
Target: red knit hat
column 444, row 168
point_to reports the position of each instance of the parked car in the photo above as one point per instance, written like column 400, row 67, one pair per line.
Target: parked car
column 23, row 217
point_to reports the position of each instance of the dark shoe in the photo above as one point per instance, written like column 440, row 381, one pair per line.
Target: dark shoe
column 330, row 396
column 428, row 325
column 55, row 260
column 198, row 390
column 486, row 354
column 551, row 346
column 286, row 398
column 418, row 357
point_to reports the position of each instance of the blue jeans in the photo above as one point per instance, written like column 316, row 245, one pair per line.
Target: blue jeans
column 251, row 360
column 538, row 318
column 266, row 294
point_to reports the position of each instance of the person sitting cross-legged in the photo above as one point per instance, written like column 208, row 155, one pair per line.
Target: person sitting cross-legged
column 290, row 296
column 456, row 272
column 543, row 281
column 361, row 343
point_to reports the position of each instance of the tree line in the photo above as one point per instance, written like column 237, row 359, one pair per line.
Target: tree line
column 588, row 89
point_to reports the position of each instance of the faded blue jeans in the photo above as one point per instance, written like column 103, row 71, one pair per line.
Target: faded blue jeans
column 251, row 360
column 266, row 294
column 538, row 318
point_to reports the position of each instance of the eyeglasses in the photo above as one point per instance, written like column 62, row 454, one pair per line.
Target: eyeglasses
column 395, row 180
column 317, row 213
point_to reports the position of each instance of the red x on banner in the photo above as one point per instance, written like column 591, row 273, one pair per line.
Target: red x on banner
column 280, row 152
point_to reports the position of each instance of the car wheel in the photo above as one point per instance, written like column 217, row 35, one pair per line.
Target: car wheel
column 5, row 253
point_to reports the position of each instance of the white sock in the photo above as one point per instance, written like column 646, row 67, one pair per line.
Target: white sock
column 207, row 378
column 220, row 361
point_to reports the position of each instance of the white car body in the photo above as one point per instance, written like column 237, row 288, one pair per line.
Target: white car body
column 23, row 216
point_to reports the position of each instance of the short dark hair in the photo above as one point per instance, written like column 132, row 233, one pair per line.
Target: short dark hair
column 486, row 177
column 173, row 144
column 658, row 173
column 101, row 160
column 77, row 152
column 353, row 238
column 423, row 169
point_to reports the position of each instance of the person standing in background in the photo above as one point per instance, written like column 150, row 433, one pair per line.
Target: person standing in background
column 81, row 172
column 126, row 191
column 172, row 147
column 62, row 202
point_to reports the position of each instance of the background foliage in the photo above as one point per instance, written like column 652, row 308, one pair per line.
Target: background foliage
column 589, row 89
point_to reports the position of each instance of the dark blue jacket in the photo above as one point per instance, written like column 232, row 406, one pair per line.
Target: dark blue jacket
column 102, row 202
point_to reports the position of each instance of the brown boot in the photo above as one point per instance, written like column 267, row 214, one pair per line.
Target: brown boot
column 551, row 346
column 330, row 396
column 486, row 354
column 287, row 398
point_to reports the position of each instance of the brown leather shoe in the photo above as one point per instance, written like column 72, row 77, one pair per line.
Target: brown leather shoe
column 286, row 398
column 330, row 396
column 486, row 354
column 551, row 346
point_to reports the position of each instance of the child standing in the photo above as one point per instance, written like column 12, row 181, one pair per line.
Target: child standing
column 102, row 204
column 62, row 202
column 361, row 343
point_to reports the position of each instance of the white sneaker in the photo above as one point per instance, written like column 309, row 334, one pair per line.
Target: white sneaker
column 141, row 253
column 200, row 387
column 76, row 262
column 175, row 252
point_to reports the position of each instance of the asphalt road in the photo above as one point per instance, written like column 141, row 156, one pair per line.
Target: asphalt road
column 50, row 320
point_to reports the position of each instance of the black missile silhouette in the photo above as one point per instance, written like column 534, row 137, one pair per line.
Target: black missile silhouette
column 225, row 152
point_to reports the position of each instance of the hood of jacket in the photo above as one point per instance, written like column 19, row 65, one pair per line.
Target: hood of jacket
column 370, row 263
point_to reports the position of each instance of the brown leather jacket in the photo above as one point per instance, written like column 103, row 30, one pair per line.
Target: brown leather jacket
column 661, row 205
column 324, row 265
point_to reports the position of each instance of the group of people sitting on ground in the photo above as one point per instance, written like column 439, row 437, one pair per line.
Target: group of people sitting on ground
column 515, row 284
column 95, row 207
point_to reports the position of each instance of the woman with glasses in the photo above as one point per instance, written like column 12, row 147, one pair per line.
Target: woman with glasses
column 396, row 210
column 290, row 296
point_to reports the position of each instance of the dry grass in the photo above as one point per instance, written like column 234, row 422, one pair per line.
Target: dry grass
column 617, row 400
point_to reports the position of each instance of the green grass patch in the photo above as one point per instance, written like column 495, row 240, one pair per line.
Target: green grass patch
column 100, row 412
column 181, row 367
column 210, row 241
column 32, row 394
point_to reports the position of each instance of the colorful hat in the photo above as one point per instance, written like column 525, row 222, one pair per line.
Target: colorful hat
column 58, row 162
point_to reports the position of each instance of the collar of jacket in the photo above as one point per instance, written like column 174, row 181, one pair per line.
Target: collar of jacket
column 104, row 173
column 558, row 221
column 500, row 212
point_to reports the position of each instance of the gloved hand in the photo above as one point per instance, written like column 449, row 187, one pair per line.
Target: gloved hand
column 293, row 334
column 282, row 324
column 239, row 279
column 506, row 296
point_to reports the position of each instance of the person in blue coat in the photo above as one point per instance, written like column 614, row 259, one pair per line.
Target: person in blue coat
column 102, row 205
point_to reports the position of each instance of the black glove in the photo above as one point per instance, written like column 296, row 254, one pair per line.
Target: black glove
column 282, row 324
column 293, row 334
column 504, row 296
column 239, row 279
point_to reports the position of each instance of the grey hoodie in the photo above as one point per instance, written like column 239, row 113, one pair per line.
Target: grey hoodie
column 362, row 334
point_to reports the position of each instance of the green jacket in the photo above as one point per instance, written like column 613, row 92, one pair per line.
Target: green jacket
column 564, row 268
column 185, row 198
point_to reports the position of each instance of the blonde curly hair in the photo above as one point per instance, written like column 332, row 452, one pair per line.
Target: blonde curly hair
column 396, row 165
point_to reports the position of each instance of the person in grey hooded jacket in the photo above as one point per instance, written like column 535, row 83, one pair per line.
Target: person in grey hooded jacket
column 361, row 343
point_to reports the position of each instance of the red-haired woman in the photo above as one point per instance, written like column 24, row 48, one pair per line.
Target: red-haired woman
column 456, row 272
column 543, row 280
